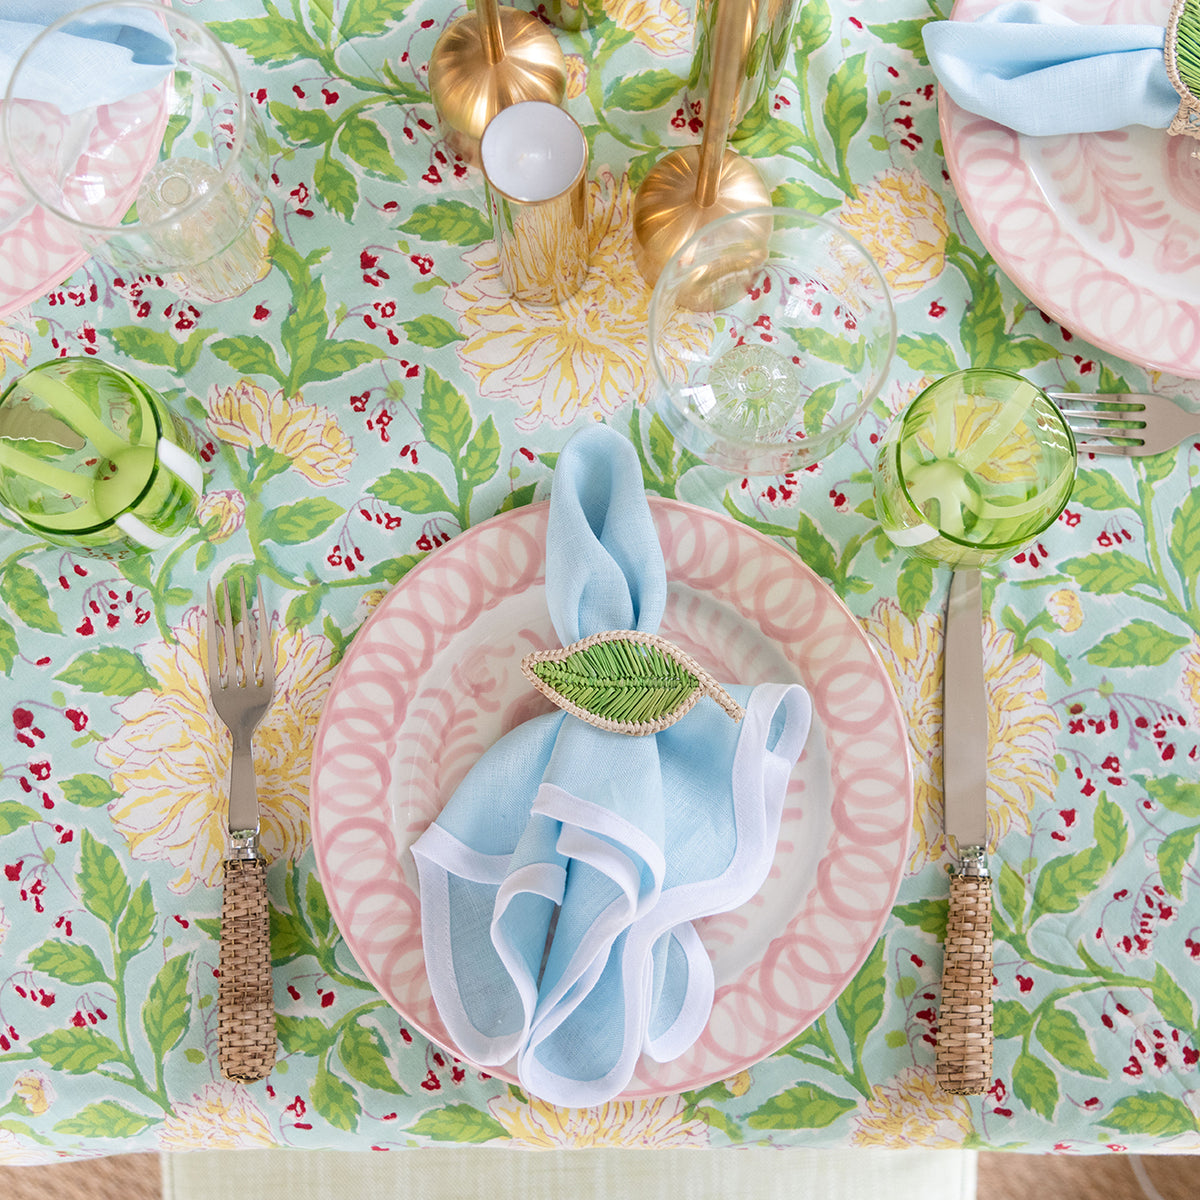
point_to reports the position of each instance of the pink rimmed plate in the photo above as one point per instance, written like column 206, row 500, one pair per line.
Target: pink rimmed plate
column 1100, row 230
column 433, row 679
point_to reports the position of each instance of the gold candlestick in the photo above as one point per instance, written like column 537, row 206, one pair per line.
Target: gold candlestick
column 692, row 186
column 484, row 62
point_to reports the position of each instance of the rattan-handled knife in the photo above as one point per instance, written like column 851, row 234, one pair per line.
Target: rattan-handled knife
column 964, row 1047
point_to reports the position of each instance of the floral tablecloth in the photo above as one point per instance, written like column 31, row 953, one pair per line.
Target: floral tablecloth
column 375, row 394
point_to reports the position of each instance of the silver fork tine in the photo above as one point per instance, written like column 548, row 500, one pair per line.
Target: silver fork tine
column 266, row 654
column 1126, row 424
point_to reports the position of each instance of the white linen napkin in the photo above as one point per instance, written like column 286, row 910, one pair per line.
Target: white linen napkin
column 560, row 882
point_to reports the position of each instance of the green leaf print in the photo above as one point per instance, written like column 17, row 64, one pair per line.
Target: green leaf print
column 304, row 126
column 271, row 40
column 335, row 1100
column 88, row 791
column 459, row 1123
column 929, row 916
column 642, row 92
column 906, row 35
column 1185, row 536
column 15, row 816
column 482, row 455
column 1100, row 490
column 111, row 671
column 159, row 347
column 1063, row 1038
column 1035, row 1085
column 413, row 491
column 449, row 221
column 445, row 415
column 433, row 332
column 928, row 353
column 137, row 924
column 1010, row 1019
column 1179, row 795
column 1108, row 573
column 792, row 193
column 293, row 524
column 1172, row 1001
column 249, row 355
column 8, row 646
column 72, row 962
column 102, row 881
column 105, row 1119
column 369, row 18
column 302, row 1035
column 1138, row 643
column 914, row 586
column 1174, row 853
column 362, row 1053
column 845, row 110
column 804, row 1107
column 167, row 1011
column 26, row 596
column 813, row 27
column 362, row 140
column 336, row 186
column 1065, row 882
column 78, row 1051
column 860, row 1005
column 1155, row 1114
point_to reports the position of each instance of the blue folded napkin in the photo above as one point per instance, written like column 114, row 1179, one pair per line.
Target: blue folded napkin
column 1037, row 72
column 85, row 63
column 560, row 882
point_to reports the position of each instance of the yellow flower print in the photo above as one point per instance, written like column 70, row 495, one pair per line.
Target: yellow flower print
column 225, row 511
column 310, row 437
column 15, row 347
column 577, row 75
column 1065, row 610
column 170, row 759
column 221, row 1117
column 651, row 1124
column 589, row 354
column 902, row 222
column 1021, row 773
column 739, row 1085
column 1191, row 692
column 34, row 1091
column 664, row 27
column 911, row 1110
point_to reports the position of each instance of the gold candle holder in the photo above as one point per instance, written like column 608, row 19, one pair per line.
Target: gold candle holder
column 485, row 61
column 692, row 186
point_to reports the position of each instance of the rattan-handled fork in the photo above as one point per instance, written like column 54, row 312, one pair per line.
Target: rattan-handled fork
column 1125, row 423
column 242, row 682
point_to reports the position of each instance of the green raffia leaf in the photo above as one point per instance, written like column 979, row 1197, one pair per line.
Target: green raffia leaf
column 620, row 682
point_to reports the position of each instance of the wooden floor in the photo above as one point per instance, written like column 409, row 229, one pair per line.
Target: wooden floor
column 1001, row 1177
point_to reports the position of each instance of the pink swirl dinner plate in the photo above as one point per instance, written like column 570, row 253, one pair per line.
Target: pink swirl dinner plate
column 1100, row 230
column 433, row 678
column 39, row 249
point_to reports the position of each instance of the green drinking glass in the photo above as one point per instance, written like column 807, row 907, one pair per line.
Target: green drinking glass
column 977, row 466
column 92, row 458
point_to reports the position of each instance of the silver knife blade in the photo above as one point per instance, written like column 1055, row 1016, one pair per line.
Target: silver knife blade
column 965, row 716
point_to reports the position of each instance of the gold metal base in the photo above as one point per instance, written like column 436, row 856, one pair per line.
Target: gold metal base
column 666, row 211
column 468, row 89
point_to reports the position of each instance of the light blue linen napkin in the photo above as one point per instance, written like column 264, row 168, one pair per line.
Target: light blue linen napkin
column 1035, row 71
column 83, row 64
column 560, row 882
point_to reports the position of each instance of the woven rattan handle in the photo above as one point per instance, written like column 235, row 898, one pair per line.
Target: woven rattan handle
column 964, row 1046
column 246, row 997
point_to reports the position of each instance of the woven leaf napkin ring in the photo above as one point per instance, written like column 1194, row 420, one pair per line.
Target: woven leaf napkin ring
column 1181, row 56
column 624, row 681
